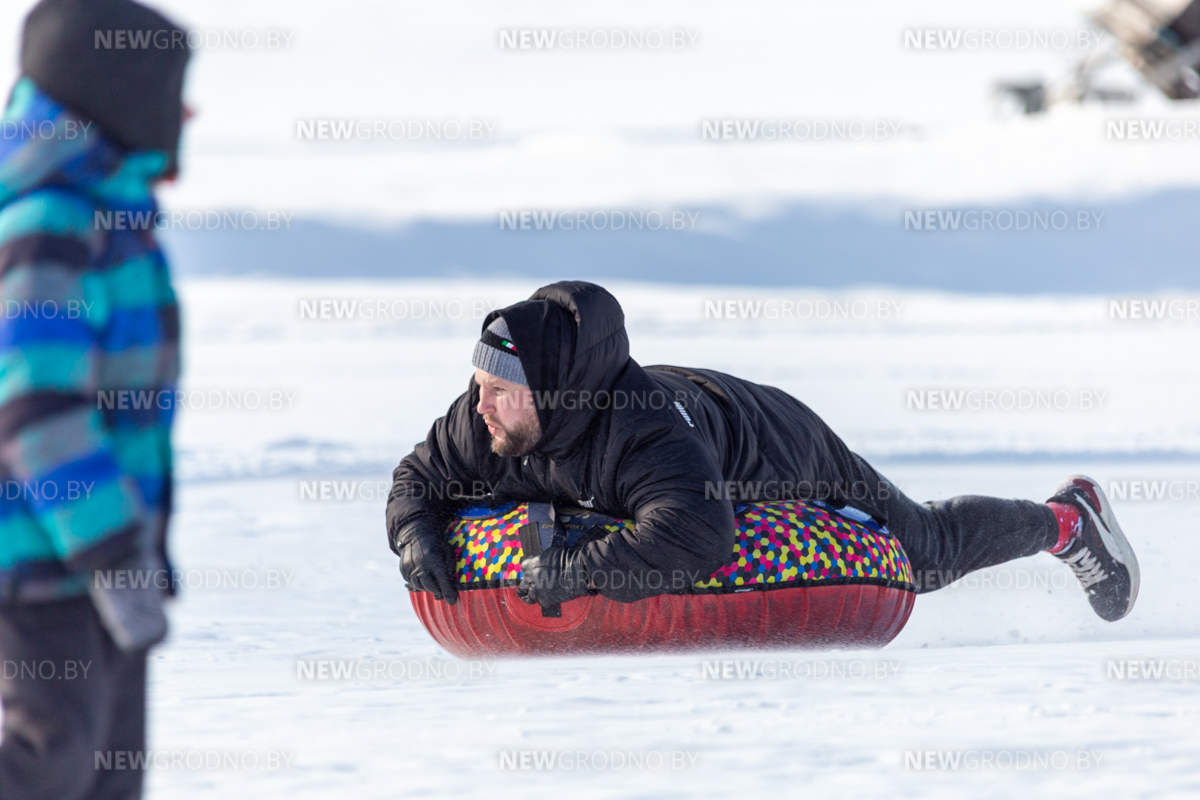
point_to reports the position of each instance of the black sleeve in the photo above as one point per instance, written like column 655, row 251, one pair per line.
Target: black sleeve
column 685, row 525
column 433, row 480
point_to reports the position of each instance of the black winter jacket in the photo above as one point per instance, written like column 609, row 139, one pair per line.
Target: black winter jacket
column 673, row 449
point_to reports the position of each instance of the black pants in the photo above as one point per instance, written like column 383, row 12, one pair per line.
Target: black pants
column 947, row 539
column 71, row 698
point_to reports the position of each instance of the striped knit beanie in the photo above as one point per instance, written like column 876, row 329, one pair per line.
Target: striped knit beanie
column 496, row 354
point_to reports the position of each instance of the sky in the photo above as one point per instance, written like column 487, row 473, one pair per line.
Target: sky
column 623, row 128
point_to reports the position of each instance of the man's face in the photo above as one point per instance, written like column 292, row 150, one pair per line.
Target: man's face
column 508, row 410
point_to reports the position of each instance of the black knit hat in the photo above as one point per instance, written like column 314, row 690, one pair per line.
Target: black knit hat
column 114, row 62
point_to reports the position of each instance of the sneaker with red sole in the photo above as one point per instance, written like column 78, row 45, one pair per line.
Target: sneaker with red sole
column 1100, row 556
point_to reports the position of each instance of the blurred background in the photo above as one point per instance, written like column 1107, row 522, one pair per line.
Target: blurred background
column 621, row 128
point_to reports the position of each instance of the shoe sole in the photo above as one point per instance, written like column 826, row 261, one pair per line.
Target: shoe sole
column 1113, row 537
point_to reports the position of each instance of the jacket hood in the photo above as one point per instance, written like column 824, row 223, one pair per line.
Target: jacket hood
column 42, row 144
column 570, row 337
column 115, row 62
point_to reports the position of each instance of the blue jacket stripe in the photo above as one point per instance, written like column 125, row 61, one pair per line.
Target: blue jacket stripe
column 131, row 327
column 25, row 330
column 54, row 488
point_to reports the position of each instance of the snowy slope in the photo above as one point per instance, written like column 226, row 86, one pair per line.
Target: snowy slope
column 1008, row 665
column 962, row 679
column 362, row 390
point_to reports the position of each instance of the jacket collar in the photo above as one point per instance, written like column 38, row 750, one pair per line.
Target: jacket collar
column 43, row 144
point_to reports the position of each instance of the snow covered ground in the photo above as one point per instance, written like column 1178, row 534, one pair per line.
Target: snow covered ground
column 1018, row 674
column 1007, row 674
column 361, row 389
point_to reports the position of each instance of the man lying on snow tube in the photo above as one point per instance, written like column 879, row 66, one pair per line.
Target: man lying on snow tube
column 801, row 574
column 557, row 411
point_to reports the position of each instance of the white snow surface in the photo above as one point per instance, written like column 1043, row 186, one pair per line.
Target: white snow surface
column 1008, row 670
column 359, row 392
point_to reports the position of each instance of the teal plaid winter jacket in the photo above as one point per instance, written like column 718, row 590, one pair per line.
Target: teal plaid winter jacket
column 88, row 318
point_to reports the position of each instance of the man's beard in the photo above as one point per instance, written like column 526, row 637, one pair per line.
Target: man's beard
column 517, row 441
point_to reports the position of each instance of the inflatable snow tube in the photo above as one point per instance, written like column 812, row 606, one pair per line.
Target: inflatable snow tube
column 802, row 575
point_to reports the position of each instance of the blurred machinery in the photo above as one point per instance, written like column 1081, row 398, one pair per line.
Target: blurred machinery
column 1159, row 38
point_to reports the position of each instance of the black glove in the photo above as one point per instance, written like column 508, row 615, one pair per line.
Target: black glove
column 425, row 562
column 555, row 576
